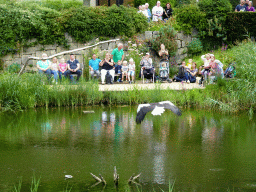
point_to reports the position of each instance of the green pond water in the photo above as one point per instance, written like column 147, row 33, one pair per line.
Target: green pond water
column 199, row 151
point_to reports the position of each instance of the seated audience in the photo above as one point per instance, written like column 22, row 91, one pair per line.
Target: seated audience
column 107, row 66
column 241, row 6
column 125, row 71
column 250, row 8
column 147, row 66
column 44, row 66
column 118, row 70
column 63, row 67
column 163, row 53
column 182, row 74
column 192, row 73
column 94, row 66
column 131, row 72
column 167, row 12
column 54, row 68
column 157, row 12
column 73, row 68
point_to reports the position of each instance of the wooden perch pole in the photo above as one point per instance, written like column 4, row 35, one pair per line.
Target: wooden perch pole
column 64, row 52
column 99, row 179
column 116, row 176
column 96, row 178
column 133, row 178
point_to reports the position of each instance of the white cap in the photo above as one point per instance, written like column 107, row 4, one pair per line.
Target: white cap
column 146, row 4
column 147, row 54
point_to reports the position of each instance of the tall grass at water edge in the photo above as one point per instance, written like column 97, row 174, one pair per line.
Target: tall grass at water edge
column 28, row 91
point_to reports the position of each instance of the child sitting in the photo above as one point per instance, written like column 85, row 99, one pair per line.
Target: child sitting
column 163, row 72
column 189, row 64
column 62, row 68
column 131, row 71
column 118, row 70
column 124, row 70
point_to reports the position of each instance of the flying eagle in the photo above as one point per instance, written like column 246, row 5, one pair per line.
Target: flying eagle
column 156, row 108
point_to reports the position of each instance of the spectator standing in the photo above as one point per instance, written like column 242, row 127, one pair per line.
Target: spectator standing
column 167, row 12
column 250, row 8
column 140, row 7
column 144, row 11
column 241, row 6
column 107, row 66
column 44, row 66
column 73, row 68
column 148, row 10
column 63, row 67
column 118, row 53
column 94, row 66
column 157, row 12
column 246, row 3
column 54, row 69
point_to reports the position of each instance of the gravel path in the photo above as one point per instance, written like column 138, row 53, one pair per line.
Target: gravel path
column 140, row 86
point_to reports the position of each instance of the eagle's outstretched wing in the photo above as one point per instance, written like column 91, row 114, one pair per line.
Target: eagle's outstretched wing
column 169, row 105
column 142, row 111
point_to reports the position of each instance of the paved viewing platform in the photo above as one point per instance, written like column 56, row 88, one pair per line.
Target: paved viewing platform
column 147, row 86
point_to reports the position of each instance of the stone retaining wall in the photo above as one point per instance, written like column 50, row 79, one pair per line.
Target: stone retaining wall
column 36, row 51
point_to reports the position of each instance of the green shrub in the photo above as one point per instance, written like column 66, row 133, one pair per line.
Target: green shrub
column 218, row 8
column 166, row 36
column 42, row 21
column 55, row 4
column 240, row 26
column 189, row 17
column 14, row 68
column 195, row 46
column 87, row 22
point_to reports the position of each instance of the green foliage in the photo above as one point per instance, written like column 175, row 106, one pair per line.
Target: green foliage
column 14, row 68
column 218, row 8
column 189, row 17
column 240, row 25
column 166, row 36
column 87, row 22
column 56, row 4
column 216, row 11
column 195, row 46
column 47, row 24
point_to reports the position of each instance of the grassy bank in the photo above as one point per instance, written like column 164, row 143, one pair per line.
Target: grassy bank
column 28, row 91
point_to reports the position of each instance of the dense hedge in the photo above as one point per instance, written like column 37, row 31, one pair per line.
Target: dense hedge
column 24, row 21
column 87, row 22
column 240, row 26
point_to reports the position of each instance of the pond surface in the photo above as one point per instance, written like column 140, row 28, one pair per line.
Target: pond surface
column 199, row 151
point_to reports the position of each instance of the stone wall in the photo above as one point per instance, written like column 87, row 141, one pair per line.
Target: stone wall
column 36, row 51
